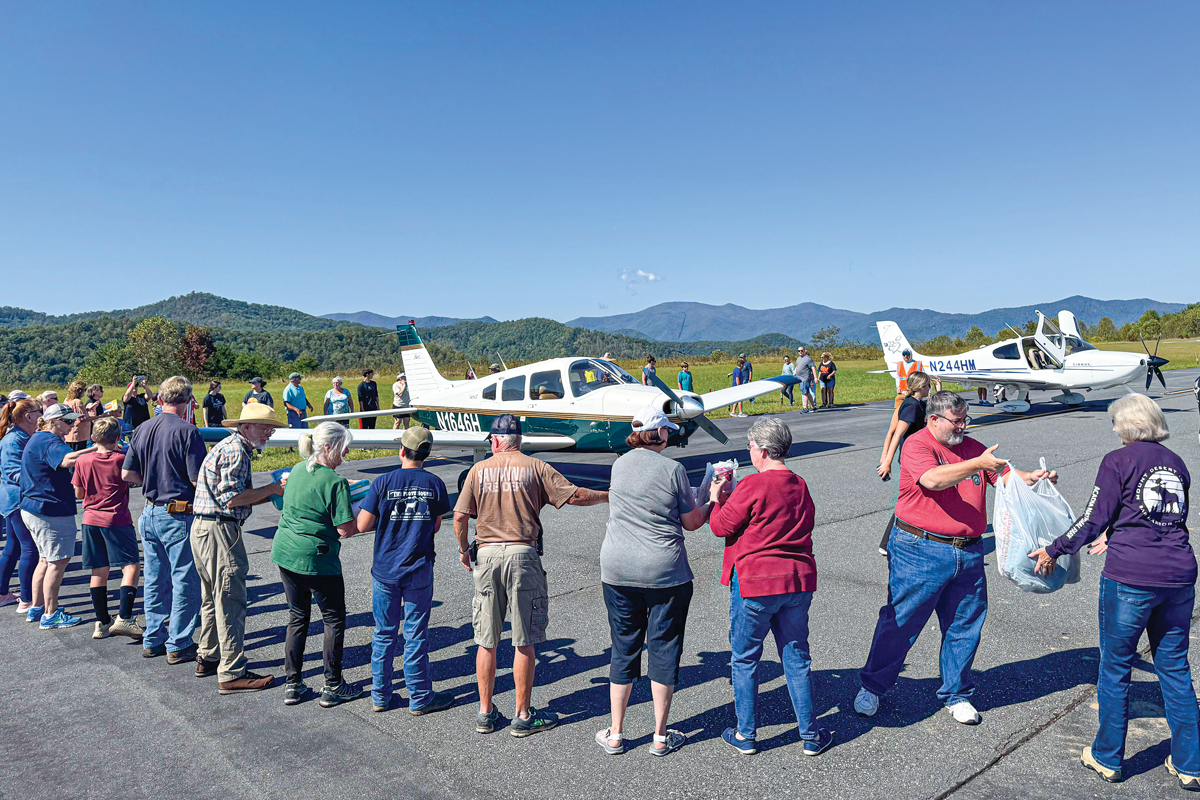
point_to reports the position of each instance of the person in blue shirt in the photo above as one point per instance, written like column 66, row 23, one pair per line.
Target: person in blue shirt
column 18, row 421
column 407, row 507
column 684, row 379
column 737, row 378
column 296, row 402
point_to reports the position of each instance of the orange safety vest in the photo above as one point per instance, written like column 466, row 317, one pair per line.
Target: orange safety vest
column 902, row 374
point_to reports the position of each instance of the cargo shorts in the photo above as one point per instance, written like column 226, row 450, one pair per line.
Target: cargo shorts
column 509, row 576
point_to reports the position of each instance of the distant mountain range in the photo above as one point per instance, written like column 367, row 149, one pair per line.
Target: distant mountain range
column 685, row 322
column 380, row 321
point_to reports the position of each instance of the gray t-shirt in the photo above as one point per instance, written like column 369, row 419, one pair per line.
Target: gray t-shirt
column 643, row 543
column 805, row 368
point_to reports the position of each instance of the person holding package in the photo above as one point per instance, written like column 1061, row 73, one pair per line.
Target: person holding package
column 1148, row 584
column 936, row 556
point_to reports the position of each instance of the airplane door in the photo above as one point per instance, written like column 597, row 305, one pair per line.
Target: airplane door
column 1052, row 342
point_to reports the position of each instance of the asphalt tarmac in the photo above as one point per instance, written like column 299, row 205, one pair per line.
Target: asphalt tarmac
column 93, row 719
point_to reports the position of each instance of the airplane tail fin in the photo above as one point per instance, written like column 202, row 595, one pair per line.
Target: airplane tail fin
column 894, row 344
column 423, row 377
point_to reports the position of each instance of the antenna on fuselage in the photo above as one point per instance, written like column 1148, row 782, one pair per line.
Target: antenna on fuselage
column 1014, row 330
column 501, row 360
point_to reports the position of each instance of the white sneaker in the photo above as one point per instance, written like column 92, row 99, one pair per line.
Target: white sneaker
column 101, row 631
column 125, row 627
column 965, row 713
column 866, row 703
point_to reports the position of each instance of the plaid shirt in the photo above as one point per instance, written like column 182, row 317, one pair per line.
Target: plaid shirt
column 224, row 473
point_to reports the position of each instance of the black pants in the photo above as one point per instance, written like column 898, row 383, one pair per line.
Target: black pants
column 367, row 423
column 330, row 593
column 655, row 618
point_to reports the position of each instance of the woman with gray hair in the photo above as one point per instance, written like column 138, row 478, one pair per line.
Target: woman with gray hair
column 1148, row 584
column 767, row 524
column 316, row 517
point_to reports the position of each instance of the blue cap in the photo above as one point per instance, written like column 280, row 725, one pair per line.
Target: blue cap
column 506, row 425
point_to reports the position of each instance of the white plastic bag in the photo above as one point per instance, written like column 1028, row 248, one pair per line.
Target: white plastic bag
column 701, row 492
column 1024, row 519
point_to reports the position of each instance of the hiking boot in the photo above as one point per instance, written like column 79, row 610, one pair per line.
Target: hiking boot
column 820, row 744
column 537, row 722
column 486, row 723
column 249, row 682
column 102, row 630
column 154, row 652
column 59, row 619
column 1189, row 783
column 206, row 669
column 866, row 703
column 293, row 693
column 185, row 656
column 336, row 695
column 125, row 627
column 965, row 713
column 440, row 702
column 1107, row 773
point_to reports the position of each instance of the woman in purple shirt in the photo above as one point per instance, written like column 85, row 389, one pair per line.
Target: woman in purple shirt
column 1148, row 584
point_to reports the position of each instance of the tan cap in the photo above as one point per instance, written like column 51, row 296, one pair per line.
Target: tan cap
column 416, row 436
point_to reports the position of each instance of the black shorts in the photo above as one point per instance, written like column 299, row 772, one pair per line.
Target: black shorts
column 109, row 547
column 652, row 617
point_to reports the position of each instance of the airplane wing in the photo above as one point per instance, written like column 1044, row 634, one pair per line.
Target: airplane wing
column 386, row 412
column 386, row 439
column 736, row 394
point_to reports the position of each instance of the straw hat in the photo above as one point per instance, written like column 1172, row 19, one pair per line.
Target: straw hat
column 257, row 413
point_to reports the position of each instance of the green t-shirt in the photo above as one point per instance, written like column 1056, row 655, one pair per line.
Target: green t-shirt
column 314, row 504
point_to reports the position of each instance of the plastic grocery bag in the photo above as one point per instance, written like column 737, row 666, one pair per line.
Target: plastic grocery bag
column 701, row 492
column 1024, row 519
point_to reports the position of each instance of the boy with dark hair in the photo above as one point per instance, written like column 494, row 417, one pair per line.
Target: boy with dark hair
column 108, row 537
column 407, row 506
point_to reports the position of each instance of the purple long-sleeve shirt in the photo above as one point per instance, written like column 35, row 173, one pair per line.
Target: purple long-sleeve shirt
column 1141, row 493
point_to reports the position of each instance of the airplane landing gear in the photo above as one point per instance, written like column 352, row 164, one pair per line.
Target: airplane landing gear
column 1068, row 398
column 462, row 478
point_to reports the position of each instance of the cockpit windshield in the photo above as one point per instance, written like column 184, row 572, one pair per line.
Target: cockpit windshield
column 1075, row 345
column 592, row 374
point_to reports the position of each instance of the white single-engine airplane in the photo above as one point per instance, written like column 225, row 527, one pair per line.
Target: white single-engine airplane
column 1055, row 358
column 566, row 404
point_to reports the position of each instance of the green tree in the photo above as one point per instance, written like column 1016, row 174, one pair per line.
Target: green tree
column 112, row 363
column 826, row 339
column 155, row 347
column 1105, row 331
column 976, row 337
column 1150, row 325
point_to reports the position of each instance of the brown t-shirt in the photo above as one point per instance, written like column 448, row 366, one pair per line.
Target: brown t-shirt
column 505, row 493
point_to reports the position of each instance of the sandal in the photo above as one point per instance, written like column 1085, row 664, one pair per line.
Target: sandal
column 602, row 738
column 673, row 741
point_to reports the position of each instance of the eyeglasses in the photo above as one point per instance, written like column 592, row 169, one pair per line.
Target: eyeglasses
column 958, row 423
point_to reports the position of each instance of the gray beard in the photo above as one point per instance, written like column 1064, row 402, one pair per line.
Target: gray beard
column 955, row 439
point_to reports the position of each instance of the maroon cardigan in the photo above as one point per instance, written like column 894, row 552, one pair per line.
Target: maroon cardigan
column 767, row 525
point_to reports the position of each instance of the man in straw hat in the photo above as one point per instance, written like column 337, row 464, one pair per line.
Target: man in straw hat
column 224, row 495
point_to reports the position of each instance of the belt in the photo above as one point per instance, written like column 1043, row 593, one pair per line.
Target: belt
column 219, row 518
column 187, row 508
column 954, row 541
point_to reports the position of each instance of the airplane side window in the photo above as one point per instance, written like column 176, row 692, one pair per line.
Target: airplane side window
column 490, row 392
column 514, row 389
column 1008, row 351
column 546, row 386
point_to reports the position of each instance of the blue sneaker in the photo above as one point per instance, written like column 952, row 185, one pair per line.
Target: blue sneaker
column 744, row 746
column 59, row 619
column 35, row 613
column 820, row 744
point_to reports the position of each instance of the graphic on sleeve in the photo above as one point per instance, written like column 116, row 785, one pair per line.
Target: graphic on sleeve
column 1161, row 497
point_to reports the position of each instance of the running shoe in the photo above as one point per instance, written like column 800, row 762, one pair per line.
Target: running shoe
column 335, row 695
column 9, row 599
column 536, row 722
column 866, row 703
column 35, row 613
column 59, row 619
column 293, row 693
column 125, row 627
column 102, row 630
column 486, row 723
column 965, row 713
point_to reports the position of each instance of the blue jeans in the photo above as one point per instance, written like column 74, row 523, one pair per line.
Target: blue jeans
column 927, row 577
column 21, row 552
column 408, row 602
column 1165, row 613
column 750, row 619
column 172, row 585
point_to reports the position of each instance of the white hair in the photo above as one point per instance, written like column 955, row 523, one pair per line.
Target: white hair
column 509, row 441
column 328, row 434
column 1137, row 418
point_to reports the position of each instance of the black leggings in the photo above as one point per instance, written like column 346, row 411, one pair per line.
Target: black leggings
column 330, row 593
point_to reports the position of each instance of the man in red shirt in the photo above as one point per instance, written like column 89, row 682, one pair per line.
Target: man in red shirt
column 935, row 556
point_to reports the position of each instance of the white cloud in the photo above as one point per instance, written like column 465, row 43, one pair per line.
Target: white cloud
column 635, row 277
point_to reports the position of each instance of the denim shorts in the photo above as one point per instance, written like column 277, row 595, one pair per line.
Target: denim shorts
column 109, row 547
column 54, row 536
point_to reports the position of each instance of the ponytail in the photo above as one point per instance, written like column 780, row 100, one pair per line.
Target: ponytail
column 327, row 434
column 916, row 382
column 13, row 411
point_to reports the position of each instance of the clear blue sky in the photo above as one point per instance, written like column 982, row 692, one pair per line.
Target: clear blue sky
column 516, row 159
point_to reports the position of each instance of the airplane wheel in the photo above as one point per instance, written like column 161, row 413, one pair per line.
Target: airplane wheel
column 462, row 478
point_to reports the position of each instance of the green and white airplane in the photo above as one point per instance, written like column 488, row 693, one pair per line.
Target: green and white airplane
column 564, row 404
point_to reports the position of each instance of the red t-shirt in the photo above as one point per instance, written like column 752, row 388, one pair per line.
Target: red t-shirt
column 958, row 511
column 105, row 495
column 767, row 525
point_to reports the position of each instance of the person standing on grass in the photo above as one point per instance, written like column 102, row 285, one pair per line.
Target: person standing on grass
column 48, row 511
column 737, row 378
column 368, row 398
column 213, row 411
column 224, row 496
column 296, row 402
column 747, row 371
column 316, row 517
column 648, row 370
column 258, row 393
column 109, row 540
column 400, row 399
column 827, row 377
column 684, row 379
column 18, row 422
column 339, row 401
column 789, row 369
column 806, row 371
column 406, row 505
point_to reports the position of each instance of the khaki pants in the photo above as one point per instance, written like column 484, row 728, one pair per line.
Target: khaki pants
column 223, row 566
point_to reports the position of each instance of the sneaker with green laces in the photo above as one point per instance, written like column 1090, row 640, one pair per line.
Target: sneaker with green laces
column 537, row 722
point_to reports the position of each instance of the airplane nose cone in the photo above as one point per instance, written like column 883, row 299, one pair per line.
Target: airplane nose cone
column 691, row 407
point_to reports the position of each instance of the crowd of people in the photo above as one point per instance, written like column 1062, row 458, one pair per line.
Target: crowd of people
column 194, row 567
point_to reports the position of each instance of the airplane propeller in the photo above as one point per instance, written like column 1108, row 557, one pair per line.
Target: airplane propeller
column 1154, row 364
column 692, row 410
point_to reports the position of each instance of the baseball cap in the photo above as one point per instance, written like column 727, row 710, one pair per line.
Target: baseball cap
column 651, row 418
column 417, row 439
column 494, row 366
column 401, row 375
column 17, row 394
column 257, row 379
column 60, row 411
column 506, row 425
column 294, row 375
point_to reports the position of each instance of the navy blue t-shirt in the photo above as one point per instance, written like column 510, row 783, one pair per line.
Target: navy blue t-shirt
column 912, row 411
column 407, row 503
column 166, row 452
column 46, row 488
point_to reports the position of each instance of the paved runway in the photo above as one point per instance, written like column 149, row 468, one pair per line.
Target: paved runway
column 92, row 719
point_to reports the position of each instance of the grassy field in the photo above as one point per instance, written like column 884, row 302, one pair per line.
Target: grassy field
column 856, row 383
